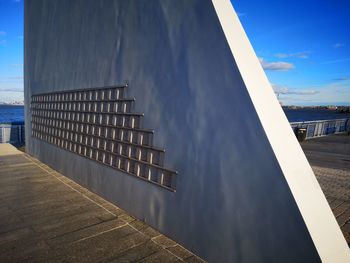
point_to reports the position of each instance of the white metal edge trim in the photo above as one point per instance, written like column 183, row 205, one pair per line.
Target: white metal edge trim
column 314, row 208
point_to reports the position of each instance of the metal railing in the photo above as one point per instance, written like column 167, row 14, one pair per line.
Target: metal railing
column 12, row 133
column 100, row 124
column 322, row 127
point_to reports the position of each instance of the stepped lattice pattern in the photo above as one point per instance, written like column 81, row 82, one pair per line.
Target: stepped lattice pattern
column 99, row 124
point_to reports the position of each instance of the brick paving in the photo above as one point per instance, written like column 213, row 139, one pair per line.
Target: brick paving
column 335, row 185
column 46, row 217
column 330, row 159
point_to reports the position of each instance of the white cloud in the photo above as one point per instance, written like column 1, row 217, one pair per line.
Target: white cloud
column 276, row 66
column 335, row 93
column 303, row 55
column 335, row 61
column 338, row 45
column 11, row 90
column 285, row 90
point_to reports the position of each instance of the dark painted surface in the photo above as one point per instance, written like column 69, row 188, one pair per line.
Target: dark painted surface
column 181, row 72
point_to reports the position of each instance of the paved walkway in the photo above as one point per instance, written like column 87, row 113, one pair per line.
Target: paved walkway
column 45, row 217
column 330, row 159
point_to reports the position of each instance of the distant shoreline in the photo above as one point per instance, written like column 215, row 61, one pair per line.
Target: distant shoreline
column 12, row 105
column 330, row 107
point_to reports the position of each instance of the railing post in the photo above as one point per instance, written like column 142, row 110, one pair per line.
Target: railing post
column 1, row 134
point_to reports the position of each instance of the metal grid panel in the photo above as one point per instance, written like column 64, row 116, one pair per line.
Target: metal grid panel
column 99, row 124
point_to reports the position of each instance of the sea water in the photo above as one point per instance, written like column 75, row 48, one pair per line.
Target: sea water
column 10, row 114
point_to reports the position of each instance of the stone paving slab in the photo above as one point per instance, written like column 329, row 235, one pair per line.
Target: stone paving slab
column 336, row 187
column 330, row 160
column 46, row 217
column 7, row 149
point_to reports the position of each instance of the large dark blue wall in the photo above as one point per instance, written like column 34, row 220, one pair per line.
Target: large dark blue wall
column 232, row 203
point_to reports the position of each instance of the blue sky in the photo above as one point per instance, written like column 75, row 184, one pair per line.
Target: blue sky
column 11, row 50
column 304, row 47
